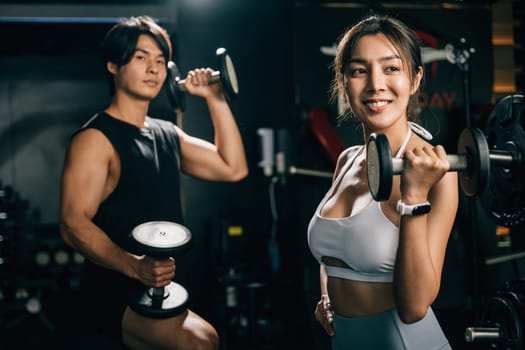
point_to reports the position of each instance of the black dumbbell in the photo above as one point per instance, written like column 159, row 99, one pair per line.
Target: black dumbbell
column 473, row 163
column 225, row 75
column 161, row 239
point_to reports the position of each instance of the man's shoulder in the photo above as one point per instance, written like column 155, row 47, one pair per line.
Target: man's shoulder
column 159, row 121
column 163, row 125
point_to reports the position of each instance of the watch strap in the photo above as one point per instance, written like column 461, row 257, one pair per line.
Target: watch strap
column 412, row 209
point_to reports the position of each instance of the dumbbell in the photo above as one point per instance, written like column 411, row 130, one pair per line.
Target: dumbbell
column 225, row 75
column 161, row 239
column 473, row 162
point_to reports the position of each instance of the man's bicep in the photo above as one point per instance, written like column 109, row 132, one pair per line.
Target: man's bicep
column 198, row 157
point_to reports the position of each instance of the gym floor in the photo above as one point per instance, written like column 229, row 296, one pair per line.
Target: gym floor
column 54, row 328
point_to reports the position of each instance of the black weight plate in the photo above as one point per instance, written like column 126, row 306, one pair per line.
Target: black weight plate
column 173, row 303
column 176, row 96
column 473, row 144
column 501, row 311
column 228, row 75
column 379, row 166
column 504, row 198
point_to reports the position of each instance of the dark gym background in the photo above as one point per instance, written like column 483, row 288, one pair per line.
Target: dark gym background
column 51, row 81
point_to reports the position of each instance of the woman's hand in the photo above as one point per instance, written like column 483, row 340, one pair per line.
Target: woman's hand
column 323, row 314
column 424, row 167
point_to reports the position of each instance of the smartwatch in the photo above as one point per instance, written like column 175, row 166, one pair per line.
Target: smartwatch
column 414, row 209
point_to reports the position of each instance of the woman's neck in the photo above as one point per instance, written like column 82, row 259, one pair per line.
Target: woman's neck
column 397, row 135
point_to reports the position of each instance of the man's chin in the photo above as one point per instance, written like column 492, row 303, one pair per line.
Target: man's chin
column 147, row 97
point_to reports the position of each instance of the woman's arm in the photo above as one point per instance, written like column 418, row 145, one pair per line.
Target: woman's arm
column 423, row 238
column 323, row 309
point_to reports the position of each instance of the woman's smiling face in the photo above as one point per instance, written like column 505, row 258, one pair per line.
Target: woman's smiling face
column 377, row 82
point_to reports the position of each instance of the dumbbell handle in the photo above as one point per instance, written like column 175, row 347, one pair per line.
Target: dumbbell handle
column 214, row 79
column 459, row 162
column 158, row 292
column 474, row 334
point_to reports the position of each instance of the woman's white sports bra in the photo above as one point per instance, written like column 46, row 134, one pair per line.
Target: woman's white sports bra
column 366, row 241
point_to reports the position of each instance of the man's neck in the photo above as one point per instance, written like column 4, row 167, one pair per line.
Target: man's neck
column 130, row 110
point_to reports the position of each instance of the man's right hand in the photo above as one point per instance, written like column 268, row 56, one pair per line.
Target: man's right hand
column 155, row 272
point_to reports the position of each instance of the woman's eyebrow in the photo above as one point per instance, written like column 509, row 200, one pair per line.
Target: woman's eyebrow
column 382, row 59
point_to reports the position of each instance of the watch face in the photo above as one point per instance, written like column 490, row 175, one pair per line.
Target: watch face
column 421, row 209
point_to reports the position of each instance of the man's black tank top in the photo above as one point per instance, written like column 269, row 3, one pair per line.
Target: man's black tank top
column 149, row 185
column 148, row 190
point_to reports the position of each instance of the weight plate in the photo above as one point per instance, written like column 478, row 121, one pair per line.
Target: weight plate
column 228, row 75
column 473, row 144
column 176, row 96
column 504, row 198
column 501, row 312
column 379, row 166
column 42, row 258
column 161, row 238
column 172, row 303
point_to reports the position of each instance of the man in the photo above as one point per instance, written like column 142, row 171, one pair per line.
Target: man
column 121, row 169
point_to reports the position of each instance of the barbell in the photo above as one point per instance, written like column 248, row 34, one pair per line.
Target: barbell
column 473, row 162
column 225, row 75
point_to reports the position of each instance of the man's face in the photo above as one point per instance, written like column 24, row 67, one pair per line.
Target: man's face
column 143, row 76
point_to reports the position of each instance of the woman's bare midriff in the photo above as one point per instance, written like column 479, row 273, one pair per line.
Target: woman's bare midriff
column 357, row 298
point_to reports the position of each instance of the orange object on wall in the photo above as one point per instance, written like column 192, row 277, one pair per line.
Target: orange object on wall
column 325, row 133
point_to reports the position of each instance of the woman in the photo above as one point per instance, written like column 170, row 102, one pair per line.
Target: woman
column 380, row 262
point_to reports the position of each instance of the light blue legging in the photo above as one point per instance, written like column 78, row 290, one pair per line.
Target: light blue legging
column 386, row 331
